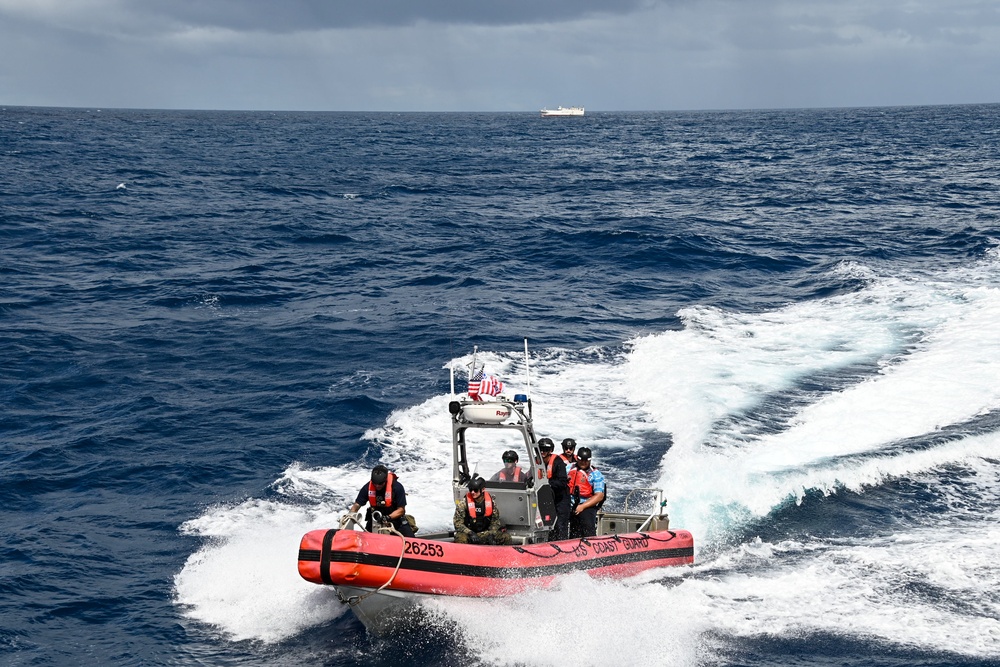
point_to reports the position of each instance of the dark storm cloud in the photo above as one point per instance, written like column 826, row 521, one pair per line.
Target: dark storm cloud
column 497, row 55
column 293, row 15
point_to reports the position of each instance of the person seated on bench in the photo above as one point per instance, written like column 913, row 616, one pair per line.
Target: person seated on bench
column 477, row 518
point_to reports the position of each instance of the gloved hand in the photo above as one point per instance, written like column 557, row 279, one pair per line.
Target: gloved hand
column 473, row 538
column 345, row 521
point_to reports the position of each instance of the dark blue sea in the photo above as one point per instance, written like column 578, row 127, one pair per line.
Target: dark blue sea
column 212, row 324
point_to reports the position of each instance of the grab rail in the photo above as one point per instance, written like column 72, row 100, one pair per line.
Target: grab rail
column 659, row 503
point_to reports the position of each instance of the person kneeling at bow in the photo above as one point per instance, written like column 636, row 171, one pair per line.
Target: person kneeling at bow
column 385, row 497
column 477, row 518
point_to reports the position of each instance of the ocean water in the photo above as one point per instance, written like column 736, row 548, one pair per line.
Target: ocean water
column 213, row 323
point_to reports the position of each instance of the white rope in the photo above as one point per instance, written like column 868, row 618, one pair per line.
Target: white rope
column 357, row 600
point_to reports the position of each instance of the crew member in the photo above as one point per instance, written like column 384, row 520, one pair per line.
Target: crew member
column 386, row 495
column 586, row 488
column 477, row 518
column 568, row 447
column 556, row 471
column 511, row 472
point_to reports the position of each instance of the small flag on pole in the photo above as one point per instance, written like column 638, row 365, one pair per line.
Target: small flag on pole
column 482, row 384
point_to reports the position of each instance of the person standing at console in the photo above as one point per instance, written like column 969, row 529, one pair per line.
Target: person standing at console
column 586, row 489
column 555, row 470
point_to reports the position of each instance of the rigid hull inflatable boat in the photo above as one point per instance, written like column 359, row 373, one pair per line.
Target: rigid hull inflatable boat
column 379, row 574
column 358, row 563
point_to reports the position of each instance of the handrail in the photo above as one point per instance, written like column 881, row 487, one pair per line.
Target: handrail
column 658, row 492
column 658, row 504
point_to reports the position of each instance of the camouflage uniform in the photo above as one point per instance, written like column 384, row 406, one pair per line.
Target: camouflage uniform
column 464, row 534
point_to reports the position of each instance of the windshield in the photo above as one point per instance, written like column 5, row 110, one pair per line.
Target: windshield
column 482, row 452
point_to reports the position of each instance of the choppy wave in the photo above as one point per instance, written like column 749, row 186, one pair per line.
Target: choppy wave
column 787, row 319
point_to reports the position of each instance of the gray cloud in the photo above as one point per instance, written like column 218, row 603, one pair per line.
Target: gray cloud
column 295, row 15
column 476, row 55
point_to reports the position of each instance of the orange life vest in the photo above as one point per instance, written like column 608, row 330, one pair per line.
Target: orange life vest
column 388, row 492
column 518, row 476
column 580, row 478
column 552, row 462
column 487, row 505
column 475, row 521
column 568, row 459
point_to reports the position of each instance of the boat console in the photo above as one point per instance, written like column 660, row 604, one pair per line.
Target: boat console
column 480, row 431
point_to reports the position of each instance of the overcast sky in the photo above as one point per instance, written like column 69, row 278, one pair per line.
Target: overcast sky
column 497, row 55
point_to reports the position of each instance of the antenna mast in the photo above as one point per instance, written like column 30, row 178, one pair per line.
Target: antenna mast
column 527, row 371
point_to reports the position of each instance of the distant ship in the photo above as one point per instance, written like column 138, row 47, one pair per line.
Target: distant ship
column 562, row 111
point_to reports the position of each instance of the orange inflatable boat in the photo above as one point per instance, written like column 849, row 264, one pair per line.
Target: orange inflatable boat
column 382, row 573
column 369, row 560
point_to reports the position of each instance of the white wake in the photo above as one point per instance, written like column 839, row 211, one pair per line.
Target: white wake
column 838, row 394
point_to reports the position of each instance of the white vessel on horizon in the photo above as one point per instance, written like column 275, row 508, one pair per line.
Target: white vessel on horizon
column 562, row 111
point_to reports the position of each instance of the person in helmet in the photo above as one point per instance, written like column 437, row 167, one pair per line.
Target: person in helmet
column 477, row 518
column 555, row 469
column 511, row 472
column 586, row 488
column 386, row 495
column 568, row 456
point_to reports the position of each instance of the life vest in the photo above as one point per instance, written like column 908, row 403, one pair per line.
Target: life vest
column 548, row 469
column 580, row 479
column 568, row 459
column 387, row 501
column 478, row 519
column 517, row 477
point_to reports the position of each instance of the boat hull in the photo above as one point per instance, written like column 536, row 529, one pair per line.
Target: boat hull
column 386, row 611
column 368, row 560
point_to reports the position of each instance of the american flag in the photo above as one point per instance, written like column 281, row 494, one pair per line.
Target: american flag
column 481, row 383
